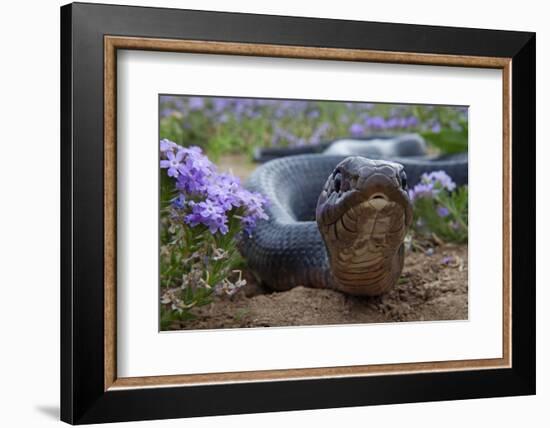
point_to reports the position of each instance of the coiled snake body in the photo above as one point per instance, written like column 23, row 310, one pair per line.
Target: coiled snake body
column 336, row 221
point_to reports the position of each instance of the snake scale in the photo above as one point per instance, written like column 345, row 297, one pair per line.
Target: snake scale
column 337, row 221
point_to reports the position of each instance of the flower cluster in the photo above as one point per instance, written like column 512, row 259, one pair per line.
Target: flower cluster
column 440, row 207
column 220, row 108
column 205, row 196
column 234, row 124
column 379, row 123
column 281, row 134
column 431, row 184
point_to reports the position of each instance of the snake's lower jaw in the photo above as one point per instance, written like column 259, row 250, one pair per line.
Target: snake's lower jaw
column 364, row 247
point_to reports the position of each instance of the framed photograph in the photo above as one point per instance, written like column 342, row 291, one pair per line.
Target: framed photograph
column 267, row 213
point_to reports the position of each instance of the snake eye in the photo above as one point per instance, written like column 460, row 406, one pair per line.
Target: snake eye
column 337, row 182
column 403, row 178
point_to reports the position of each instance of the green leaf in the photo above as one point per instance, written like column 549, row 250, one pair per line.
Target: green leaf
column 448, row 141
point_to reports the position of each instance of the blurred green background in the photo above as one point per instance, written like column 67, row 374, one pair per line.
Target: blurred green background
column 229, row 129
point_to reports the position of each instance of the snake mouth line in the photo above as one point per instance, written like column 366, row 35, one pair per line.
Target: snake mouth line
column 336, row 206
column 363, row 214
column 378, row 201
column 357, row 181
column 361, row 260
column 374, row 223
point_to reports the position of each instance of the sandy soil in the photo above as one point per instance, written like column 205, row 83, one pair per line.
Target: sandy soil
column 237, row 164
column 432, row 287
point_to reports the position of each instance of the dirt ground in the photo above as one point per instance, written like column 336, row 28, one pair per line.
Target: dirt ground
column 239, row 165
column 433, row 286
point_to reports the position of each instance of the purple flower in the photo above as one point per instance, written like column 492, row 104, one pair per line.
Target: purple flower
column 421, row 190
column 225, row 191
column 442, row 211
column 357, row 130
column 207, row 197
column 207, row 209
column 254, row 203
column 430, row 184
column 191, row 182
column 376, row 122
column 412, row 121
column 193, row 171
column 249, row 223
column 196, row 103
column 283, row 134
column 219, row 223
column 166, row 98
column 441, row 178
column 447, row 260
column 208, row 214
column 165, row 112
column 220, row 104
column 313, row 114
column 173, row 162
column 393, row 122
column 166, row 145
column 179, row 201
column 436, row 127
column 197, row 162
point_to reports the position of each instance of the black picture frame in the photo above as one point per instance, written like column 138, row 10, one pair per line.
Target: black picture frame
column 83, row 397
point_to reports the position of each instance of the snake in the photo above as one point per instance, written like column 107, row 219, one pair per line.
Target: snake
column 337, row 221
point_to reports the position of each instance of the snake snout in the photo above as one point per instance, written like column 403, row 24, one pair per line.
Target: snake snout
column 379, row 196
column 378, row 201
column 357, row 181
column 363, row 214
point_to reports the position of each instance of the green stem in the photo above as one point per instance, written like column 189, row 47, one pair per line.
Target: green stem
column 456, row 215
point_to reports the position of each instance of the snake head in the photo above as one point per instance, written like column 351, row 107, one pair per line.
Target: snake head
column 363, row 214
